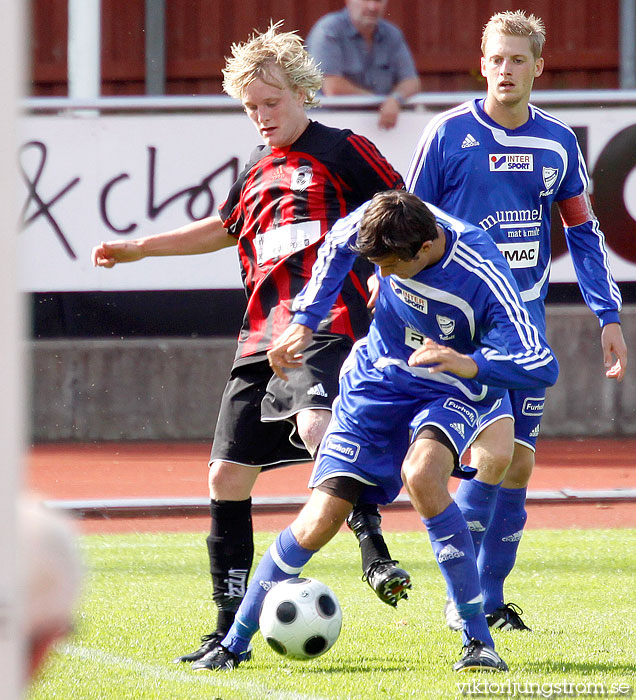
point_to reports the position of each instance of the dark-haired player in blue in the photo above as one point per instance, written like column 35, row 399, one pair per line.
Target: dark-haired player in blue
column 450, row 335
column 500, row 163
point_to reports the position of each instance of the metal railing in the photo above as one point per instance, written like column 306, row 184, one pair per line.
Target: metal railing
column 221, row 103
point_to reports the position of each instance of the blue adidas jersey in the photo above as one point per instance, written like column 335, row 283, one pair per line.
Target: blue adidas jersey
column 505, row 181
column 468, row 300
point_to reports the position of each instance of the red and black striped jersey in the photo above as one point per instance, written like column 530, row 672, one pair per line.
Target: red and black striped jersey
column 281, row 207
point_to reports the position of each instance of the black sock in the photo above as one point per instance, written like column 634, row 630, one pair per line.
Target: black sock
column 365, row 522
column 231, row 552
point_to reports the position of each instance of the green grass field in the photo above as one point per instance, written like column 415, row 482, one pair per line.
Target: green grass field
column 147, row 600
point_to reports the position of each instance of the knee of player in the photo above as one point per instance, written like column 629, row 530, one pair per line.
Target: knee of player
column 495, row 461
column 409, row 471
column 214, row 477
column 417, row 479
column 319, row 520
column 520, row 470
column 231, row 482
column 312, row 425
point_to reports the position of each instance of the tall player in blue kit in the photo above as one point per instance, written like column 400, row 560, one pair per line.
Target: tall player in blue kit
column 500, row 163
column 450, row 335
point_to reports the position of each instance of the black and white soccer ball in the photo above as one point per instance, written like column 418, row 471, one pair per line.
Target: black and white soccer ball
column 300, row 618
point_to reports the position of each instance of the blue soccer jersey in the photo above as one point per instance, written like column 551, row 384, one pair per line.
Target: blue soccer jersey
column 468, row 300
column 505, row 181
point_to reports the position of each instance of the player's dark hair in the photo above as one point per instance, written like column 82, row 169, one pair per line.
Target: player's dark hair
column 395, row 222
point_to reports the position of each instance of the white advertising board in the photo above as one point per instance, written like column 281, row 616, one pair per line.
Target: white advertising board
column 88, row 178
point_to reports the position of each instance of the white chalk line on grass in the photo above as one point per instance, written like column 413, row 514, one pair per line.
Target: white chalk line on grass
column 199, row 544
column 155, row 672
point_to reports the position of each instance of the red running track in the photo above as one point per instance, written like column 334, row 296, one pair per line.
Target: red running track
column 177, row 470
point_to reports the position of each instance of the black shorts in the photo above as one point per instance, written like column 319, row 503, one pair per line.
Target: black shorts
column 256, row 425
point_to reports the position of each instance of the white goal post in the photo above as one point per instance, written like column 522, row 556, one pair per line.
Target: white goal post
column 11, row 350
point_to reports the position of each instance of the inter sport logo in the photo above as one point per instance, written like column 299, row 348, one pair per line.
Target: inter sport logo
column 506, row 162
column 413, row 300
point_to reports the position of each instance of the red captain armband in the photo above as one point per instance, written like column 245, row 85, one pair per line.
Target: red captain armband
column 576, row 210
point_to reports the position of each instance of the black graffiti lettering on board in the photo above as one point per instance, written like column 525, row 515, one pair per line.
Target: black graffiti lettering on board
column 200, row 201
column 612, row 169
column 43, row 205
column 614, row 166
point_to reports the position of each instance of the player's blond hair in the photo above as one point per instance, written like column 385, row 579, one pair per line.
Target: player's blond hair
column 516, row 23
column 255, row 57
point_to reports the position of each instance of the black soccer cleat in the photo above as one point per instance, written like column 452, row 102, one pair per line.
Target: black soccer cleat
column 389, row 582
column 507, row 618
column 476, row 656
column 453, row 619
column 209, row 642
column 221, row 659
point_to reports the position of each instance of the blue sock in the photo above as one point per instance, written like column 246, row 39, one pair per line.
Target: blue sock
column 499, row 548
column 477, row 501
column 455, row 555
column 284, row 559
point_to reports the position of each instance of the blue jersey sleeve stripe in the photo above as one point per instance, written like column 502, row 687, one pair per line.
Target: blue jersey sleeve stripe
column 505, row 293
column 421, row 150
column 582, row 169
column 614, row 291
column 585, row 179
column 529, row 364
column 536, row 354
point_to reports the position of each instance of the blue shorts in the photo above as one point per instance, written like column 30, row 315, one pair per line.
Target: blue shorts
column 527, row 409
column 380, row 411
column 527, row 404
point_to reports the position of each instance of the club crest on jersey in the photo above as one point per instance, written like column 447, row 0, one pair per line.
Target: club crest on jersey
column 467, row 412
column 506, row 162
column 301, row 178
column 446, row 325
column 418, row 303
column 550, row 176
